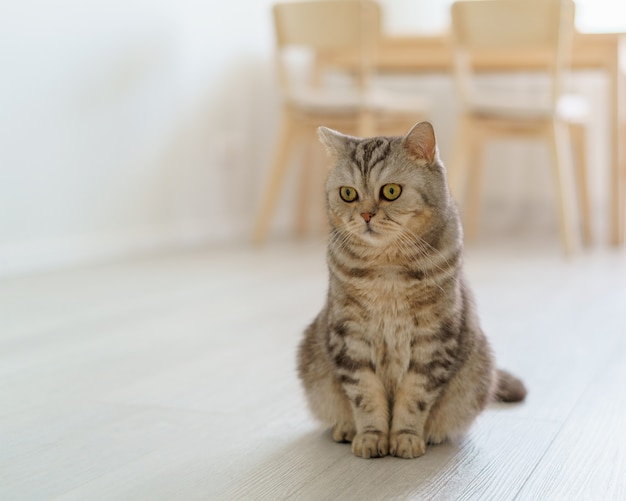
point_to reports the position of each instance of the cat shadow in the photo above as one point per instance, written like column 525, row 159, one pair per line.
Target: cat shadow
column 315, row 467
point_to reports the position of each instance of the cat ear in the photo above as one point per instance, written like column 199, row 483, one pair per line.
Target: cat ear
column 335, row 143
column 421, row 142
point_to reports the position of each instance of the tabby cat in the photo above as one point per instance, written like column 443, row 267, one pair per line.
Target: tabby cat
column 396, row 359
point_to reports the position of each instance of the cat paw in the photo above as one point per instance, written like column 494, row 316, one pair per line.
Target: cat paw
column 406, row 445
column 371, row 444
column 343, row 432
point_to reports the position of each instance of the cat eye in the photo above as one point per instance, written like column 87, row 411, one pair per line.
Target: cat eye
column 348, row 194
column 390, row 191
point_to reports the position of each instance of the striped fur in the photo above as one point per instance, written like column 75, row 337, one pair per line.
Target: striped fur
column 396, row 358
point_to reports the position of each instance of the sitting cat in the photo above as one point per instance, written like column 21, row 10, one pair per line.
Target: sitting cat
column 396, row 359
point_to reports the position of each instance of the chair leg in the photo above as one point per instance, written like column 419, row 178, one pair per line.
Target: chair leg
column 559, row 145
column 276, row 179
column 320, row 174
column 304, row 196
column 366, row 124
column 457, row 168
column 475, row 163
column 577, row 134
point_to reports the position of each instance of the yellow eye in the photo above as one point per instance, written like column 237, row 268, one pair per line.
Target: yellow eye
column 348, row 194
column 390, row 191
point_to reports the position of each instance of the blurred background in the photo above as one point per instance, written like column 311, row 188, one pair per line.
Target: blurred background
column 135, row 126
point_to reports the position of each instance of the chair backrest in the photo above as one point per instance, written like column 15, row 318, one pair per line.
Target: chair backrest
column 510, row 29
column 327, row 27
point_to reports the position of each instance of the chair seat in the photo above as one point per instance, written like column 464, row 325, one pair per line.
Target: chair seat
column 346, row 101
column 570, row 108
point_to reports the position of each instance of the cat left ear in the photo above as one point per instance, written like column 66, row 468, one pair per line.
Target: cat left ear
column 421, row 142
column 334, row 142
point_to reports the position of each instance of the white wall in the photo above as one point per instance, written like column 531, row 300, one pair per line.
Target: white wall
column 129, row 125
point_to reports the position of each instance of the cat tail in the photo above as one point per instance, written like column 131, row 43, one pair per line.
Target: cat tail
column 509, row 388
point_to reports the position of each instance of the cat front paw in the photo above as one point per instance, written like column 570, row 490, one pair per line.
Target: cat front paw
column 371, row 444
column 344, row 432
column 406, row 445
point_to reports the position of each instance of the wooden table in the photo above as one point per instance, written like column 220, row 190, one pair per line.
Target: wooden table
column 600, row 51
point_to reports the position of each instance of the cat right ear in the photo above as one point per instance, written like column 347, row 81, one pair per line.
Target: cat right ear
column 421, row 142
column 334, row 142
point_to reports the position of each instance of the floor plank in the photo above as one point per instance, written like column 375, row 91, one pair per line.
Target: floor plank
column 173, row 377
column 587, row 459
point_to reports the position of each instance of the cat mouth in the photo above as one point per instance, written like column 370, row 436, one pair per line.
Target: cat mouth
column 371, row 233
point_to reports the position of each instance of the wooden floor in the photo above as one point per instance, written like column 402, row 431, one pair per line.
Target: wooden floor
column 173, row 378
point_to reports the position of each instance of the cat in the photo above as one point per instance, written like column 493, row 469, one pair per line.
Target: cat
column 396, row 359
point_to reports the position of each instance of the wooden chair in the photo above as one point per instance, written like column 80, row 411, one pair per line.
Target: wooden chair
column 509, row 30
column 350, row 103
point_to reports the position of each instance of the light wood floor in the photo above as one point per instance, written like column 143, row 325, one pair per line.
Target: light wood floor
column 173, row 378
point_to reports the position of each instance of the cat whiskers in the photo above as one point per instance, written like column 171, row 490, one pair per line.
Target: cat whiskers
column 447, row 261
column 424, row 250
column 417, row 249
column 412, row 248
column 342, row 238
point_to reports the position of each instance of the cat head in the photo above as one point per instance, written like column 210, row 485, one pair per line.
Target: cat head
column 382, row 189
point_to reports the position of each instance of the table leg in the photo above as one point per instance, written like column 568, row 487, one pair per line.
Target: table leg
column 617, row 173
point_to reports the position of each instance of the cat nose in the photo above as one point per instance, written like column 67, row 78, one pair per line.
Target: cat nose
column 367, row 216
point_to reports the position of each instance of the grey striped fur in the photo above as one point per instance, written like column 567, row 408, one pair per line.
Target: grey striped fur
column 396, row 358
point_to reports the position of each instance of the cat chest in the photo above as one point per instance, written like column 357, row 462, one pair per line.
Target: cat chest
column 390, row 299
column 391, row 361
column 395, row 316
column 389, row 327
